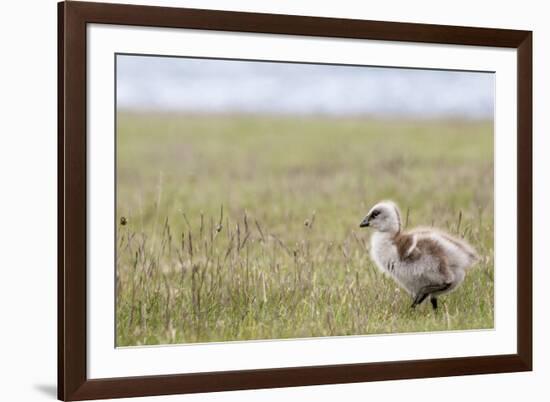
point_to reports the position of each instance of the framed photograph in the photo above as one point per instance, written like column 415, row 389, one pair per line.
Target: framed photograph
column 253, row 200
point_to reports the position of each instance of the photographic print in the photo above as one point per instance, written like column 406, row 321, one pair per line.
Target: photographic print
column 261, row 200
column 250, row 200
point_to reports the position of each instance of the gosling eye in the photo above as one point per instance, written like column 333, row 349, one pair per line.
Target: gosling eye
column 374, row 214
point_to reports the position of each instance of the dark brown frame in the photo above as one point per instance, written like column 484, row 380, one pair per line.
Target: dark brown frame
column 73, row 383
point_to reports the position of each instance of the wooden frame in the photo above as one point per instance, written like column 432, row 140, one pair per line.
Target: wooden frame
column 73, row 383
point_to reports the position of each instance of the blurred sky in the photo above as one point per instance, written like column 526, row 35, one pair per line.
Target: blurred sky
column 230, row 86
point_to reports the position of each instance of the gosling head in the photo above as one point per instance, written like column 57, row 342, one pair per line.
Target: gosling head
column 383, row 217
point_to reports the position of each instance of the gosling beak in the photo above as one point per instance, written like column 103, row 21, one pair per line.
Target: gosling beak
column 365, row 222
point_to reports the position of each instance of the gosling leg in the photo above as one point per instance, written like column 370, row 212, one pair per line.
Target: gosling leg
column 420, row 297
column 433, row 300
column 426, row 290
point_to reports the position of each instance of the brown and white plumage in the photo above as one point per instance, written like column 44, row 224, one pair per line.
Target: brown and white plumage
column 424, row 261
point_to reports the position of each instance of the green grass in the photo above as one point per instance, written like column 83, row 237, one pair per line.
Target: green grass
column 285, row 258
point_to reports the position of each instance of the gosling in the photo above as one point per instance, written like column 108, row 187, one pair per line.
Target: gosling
column 423, row 261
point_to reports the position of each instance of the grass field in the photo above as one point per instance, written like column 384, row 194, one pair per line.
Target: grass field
column 241, row 227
